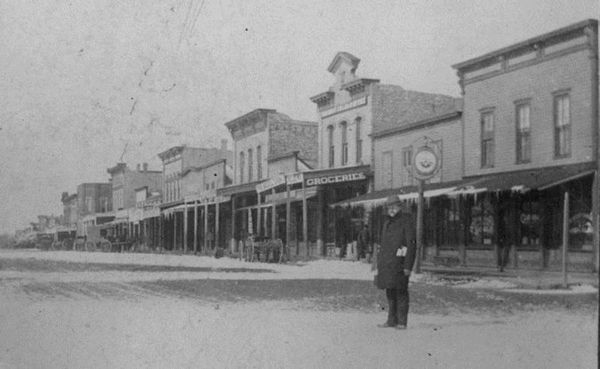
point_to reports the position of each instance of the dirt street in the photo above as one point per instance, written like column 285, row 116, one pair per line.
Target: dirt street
column 84, row 310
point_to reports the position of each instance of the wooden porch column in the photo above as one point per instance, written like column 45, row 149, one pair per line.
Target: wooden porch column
column 320, row 218
column 274, row 218
column 305, row 220
column 565, row 239
column 232, row 224
column 288, row 216
column 161, row 236
column 462, row 247
column 205, row 227
column 195, row 226
column 217, row 240
column 258, row 216
column 185, row 226
column 174, row 231
column 265, row 221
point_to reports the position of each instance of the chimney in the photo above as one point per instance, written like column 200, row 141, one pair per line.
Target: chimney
column 145, row 166
column 137, row 167
column 223, row 144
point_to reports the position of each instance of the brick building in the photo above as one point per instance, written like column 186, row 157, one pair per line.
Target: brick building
column 94, row 201
column 125, row 180
column 352, row 109
column 266, row 145
column 530, row 132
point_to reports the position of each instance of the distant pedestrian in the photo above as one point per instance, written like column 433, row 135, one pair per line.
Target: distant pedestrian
column 363, row 242
column 395, row 260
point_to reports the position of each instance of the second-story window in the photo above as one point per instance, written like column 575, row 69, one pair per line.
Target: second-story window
column 523, row 133
column 358, row 122
column 562, row 125
column 250, row 165
column 258, row 162
column 487, row 139
column 407, row 157
column 344, row 127
column 331, row 146
column 242, row 164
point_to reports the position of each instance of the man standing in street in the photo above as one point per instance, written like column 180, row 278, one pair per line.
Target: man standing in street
column 395, row 260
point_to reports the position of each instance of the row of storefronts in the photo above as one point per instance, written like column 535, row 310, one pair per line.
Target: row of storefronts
column 511, row 151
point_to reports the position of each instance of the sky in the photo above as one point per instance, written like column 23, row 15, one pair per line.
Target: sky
column 86, row 84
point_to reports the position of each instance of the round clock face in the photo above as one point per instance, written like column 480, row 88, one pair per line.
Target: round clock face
column 425, row 162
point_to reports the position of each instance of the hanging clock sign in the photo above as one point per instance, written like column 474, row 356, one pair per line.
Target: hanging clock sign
column 426, row 162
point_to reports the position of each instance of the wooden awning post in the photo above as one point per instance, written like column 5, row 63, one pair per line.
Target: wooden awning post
column 232, row 224
column 565, row 238
column 174, row 231
column 288, row 215
column 195, row 226
column 205, row 243
column 419, row 228
column 216, row 238
column 185, row 227
column 305, row 219
column 274, row 219
column 258, row 216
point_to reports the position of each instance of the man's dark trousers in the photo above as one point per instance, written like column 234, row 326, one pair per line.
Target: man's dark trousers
column 398, row 303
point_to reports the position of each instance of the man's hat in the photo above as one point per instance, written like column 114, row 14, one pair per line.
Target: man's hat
column 393, row 200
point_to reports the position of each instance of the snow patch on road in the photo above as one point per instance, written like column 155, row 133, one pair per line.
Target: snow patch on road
column 572, row 290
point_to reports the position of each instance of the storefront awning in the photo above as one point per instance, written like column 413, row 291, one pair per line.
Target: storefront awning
column 409, row 193
column 525, row 180
column 295, row 195
column 174, row 209
column 517, row 181
column 239, row 188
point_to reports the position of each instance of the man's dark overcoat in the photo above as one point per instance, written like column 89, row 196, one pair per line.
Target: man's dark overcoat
column 397, row 232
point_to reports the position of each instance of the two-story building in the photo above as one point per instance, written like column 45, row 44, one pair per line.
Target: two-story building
column 146, row 216
column 125, row 180
column 205, row 213
column 124, row 183
column 267, row 146
column 350, row 111
column 94, row 201
column 530, row 134
column 176, row 161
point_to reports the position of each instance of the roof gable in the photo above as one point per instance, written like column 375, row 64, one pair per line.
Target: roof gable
column 340, row 58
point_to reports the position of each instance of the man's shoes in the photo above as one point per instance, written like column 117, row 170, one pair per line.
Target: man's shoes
column 401, row 326
column 387, row 325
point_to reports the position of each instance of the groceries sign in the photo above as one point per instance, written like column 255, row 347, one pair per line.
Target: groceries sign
column 330, row 179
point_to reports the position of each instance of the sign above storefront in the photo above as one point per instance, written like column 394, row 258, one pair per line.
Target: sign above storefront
column 294, row 178
column 270, row 183
column 330, row 179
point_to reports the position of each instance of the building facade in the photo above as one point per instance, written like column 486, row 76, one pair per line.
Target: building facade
column 530, row 132
column 125, row 181
column 177, row 159
column 94, row 200
column 393, row 150
column 350, row 111
column 267, row 144
column 178, row 162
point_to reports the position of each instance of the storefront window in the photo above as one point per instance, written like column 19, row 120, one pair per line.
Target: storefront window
column 529, row 224
column 481, row 229
column 450, row 226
